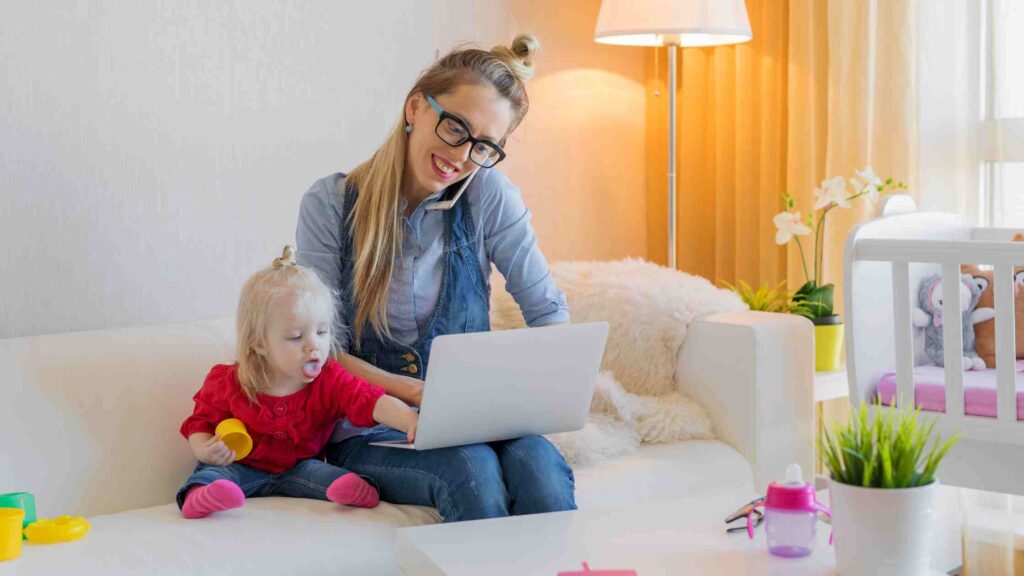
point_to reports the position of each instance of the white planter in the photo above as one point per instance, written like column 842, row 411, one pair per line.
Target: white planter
column 883, row 532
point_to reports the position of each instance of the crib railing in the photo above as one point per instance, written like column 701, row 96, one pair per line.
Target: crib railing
column 1002, row 256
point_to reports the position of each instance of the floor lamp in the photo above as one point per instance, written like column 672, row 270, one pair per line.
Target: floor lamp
column 672, row 23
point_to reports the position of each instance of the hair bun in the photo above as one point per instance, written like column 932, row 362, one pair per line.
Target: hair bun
column 525, row 46
column 519, row 56
column 287, row 258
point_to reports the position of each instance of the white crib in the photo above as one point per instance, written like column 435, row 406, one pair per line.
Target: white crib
column 886, row 259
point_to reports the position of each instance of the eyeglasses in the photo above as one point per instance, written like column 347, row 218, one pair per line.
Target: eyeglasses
column 454, row 132
column 748, row 512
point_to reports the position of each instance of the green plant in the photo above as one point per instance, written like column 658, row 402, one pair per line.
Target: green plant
column 817, row 298
column 767, row 298
column 888, row 449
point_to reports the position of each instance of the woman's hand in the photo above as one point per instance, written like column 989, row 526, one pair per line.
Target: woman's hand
column 211, row 450
column 405, row 388
column 411, row 434
column 414, row 393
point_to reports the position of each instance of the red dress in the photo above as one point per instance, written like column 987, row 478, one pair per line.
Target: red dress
column 284, row 429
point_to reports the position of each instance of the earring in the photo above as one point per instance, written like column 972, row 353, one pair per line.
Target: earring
column 408, row 129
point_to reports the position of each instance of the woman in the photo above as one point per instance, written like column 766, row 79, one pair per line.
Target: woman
column 408, row 272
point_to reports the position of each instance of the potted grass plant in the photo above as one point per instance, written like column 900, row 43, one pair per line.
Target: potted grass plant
column 815, row 296
column 767, row 298
column 883, row 490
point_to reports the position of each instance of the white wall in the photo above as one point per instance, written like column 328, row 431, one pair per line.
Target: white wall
column 152, row 154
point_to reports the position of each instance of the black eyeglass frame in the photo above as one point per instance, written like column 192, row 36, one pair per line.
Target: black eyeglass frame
column 442, row 115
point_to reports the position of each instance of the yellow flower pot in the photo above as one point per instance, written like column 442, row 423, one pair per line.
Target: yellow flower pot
column 828, row 346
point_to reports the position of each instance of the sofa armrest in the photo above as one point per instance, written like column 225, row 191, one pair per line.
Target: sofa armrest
column 754, row 373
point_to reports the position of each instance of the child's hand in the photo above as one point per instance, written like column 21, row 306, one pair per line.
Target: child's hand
column 215, row 453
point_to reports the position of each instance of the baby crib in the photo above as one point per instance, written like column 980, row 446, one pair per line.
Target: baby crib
column 886, row 259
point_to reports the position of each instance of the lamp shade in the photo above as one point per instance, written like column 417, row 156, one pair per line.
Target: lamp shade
column 678, row 22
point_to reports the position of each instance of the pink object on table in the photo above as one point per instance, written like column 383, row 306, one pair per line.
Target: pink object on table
column 791, row 515
column 930, row 390
column 588, row 572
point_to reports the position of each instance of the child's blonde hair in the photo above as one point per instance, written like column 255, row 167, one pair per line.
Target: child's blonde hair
column 283, row 277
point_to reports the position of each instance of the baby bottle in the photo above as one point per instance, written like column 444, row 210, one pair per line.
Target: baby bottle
column 791, row 515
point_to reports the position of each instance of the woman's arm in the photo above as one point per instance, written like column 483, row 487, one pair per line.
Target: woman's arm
column 405, row 388
column 318, row 241
column 511, row 244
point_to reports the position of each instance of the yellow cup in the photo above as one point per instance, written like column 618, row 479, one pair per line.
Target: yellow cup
column 10, row 533
column 232, row 432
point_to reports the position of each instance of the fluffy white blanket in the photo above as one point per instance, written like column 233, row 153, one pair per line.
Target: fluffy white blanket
column 649, row 309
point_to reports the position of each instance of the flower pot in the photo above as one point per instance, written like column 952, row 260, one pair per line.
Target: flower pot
column 882, row 532
column 828, row 343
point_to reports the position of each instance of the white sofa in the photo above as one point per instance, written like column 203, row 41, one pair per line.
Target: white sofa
column 89, row 424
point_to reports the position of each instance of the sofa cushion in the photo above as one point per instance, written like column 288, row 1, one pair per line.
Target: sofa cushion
column 287, row 536
column 664, row 472
column 274, row 535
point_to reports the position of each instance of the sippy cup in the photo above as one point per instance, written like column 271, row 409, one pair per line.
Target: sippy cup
column 791, row 515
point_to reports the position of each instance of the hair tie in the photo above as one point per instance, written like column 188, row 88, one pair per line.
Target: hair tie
column 287, row 258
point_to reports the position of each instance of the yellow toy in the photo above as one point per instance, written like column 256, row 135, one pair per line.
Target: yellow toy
column 10, row 533
column 60, row 529
column 232, row 432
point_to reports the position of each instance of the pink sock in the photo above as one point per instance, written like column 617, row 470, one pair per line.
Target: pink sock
column 352, row 490
column 201, row 501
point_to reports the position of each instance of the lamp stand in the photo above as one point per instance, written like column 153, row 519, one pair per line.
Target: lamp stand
column 672, row 50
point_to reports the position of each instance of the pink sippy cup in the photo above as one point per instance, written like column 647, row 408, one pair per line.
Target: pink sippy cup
column 791, row 515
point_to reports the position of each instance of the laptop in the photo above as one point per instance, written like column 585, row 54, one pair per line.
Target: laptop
column 490, row 386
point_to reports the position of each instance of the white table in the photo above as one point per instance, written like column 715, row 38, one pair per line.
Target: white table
column 670, row 538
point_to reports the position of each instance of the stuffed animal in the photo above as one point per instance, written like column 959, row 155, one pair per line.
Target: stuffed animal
column 985, row 332
column 928, row 315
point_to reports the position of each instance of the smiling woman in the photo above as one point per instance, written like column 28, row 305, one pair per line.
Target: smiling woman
column 408, row 240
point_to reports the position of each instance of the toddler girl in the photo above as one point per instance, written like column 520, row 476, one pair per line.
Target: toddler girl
column 289, row 394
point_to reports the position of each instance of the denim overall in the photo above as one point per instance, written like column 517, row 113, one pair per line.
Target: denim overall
column 463, row 303
column 522, row 476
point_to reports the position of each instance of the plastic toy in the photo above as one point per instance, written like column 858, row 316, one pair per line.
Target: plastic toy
column 233, row 433
column 24, row 500
column 60, row 529
column 10, row 532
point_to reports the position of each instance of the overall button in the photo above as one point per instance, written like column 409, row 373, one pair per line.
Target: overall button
column 281, row 435
column 409, row 357
column 413, row 368
column 280, row 408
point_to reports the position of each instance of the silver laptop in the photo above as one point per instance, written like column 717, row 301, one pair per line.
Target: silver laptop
column 489, row 386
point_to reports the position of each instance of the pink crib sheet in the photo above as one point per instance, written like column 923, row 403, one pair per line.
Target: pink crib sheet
column 930, row 391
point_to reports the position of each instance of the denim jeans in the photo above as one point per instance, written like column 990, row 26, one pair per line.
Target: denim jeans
column 307, row 479
column 523, row 476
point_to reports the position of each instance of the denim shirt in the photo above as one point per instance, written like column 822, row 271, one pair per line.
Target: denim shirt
column 505, row 238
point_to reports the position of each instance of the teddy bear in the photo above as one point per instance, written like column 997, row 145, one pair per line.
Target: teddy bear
column 985, row 332
column 928, row 315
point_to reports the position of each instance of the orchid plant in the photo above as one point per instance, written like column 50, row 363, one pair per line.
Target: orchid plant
column 817, row 298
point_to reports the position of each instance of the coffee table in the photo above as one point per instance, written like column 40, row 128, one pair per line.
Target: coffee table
column 670, row 538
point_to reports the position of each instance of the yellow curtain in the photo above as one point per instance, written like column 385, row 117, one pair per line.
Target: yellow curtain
column 808, row 132
column 823, row 88
column 731, row 153
column 872, row 110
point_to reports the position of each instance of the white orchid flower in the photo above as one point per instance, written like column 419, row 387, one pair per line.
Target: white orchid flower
column 867, row 178
column 788, row 225
column 832, row 191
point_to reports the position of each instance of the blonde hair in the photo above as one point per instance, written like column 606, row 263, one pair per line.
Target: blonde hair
column 259, row 295
column 376, row 221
